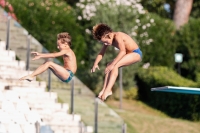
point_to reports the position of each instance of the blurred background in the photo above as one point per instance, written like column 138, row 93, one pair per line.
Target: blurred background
column 163, row 29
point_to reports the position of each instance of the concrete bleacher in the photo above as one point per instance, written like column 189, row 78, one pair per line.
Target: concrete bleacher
column 24, row 103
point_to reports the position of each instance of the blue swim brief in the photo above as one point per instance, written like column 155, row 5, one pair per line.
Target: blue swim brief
column 71, row 75
column 138, row 51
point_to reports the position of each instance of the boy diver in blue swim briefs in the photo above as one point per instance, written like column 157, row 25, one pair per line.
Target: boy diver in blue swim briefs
column 64, row 73
column 129, row 53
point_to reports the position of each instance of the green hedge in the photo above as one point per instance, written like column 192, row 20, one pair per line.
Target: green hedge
column 188, row 43
column 160, row 52
column 184, row 106
column 198, row 78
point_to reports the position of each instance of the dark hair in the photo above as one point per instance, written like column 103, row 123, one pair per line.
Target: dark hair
column 100, row 30
column 64, row 37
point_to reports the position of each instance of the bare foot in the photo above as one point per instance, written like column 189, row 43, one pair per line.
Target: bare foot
column 28, row 77
column 105, row 95
column 100, row 94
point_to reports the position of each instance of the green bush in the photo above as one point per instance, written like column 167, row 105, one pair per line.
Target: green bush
column 131, row 93
column 184, row 106
column 159, row 48
column 156, row 6
column 187, row 39
column 198, row 78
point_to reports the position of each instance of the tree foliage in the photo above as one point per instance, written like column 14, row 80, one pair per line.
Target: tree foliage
column 161, row 50
column 157, row 6
column 9, row 8
column 187, row 39
column 72, row 2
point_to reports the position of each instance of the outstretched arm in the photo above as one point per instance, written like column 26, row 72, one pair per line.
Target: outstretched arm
column 47, row 55
column 98, row 58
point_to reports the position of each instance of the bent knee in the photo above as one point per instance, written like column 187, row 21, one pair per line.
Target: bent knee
column 115, row 68
column 49, row 63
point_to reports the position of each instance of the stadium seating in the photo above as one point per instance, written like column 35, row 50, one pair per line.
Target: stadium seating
column 25, row 103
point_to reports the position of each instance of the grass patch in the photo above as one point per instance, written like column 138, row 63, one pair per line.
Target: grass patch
column 60, row 100
column 140, row 118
